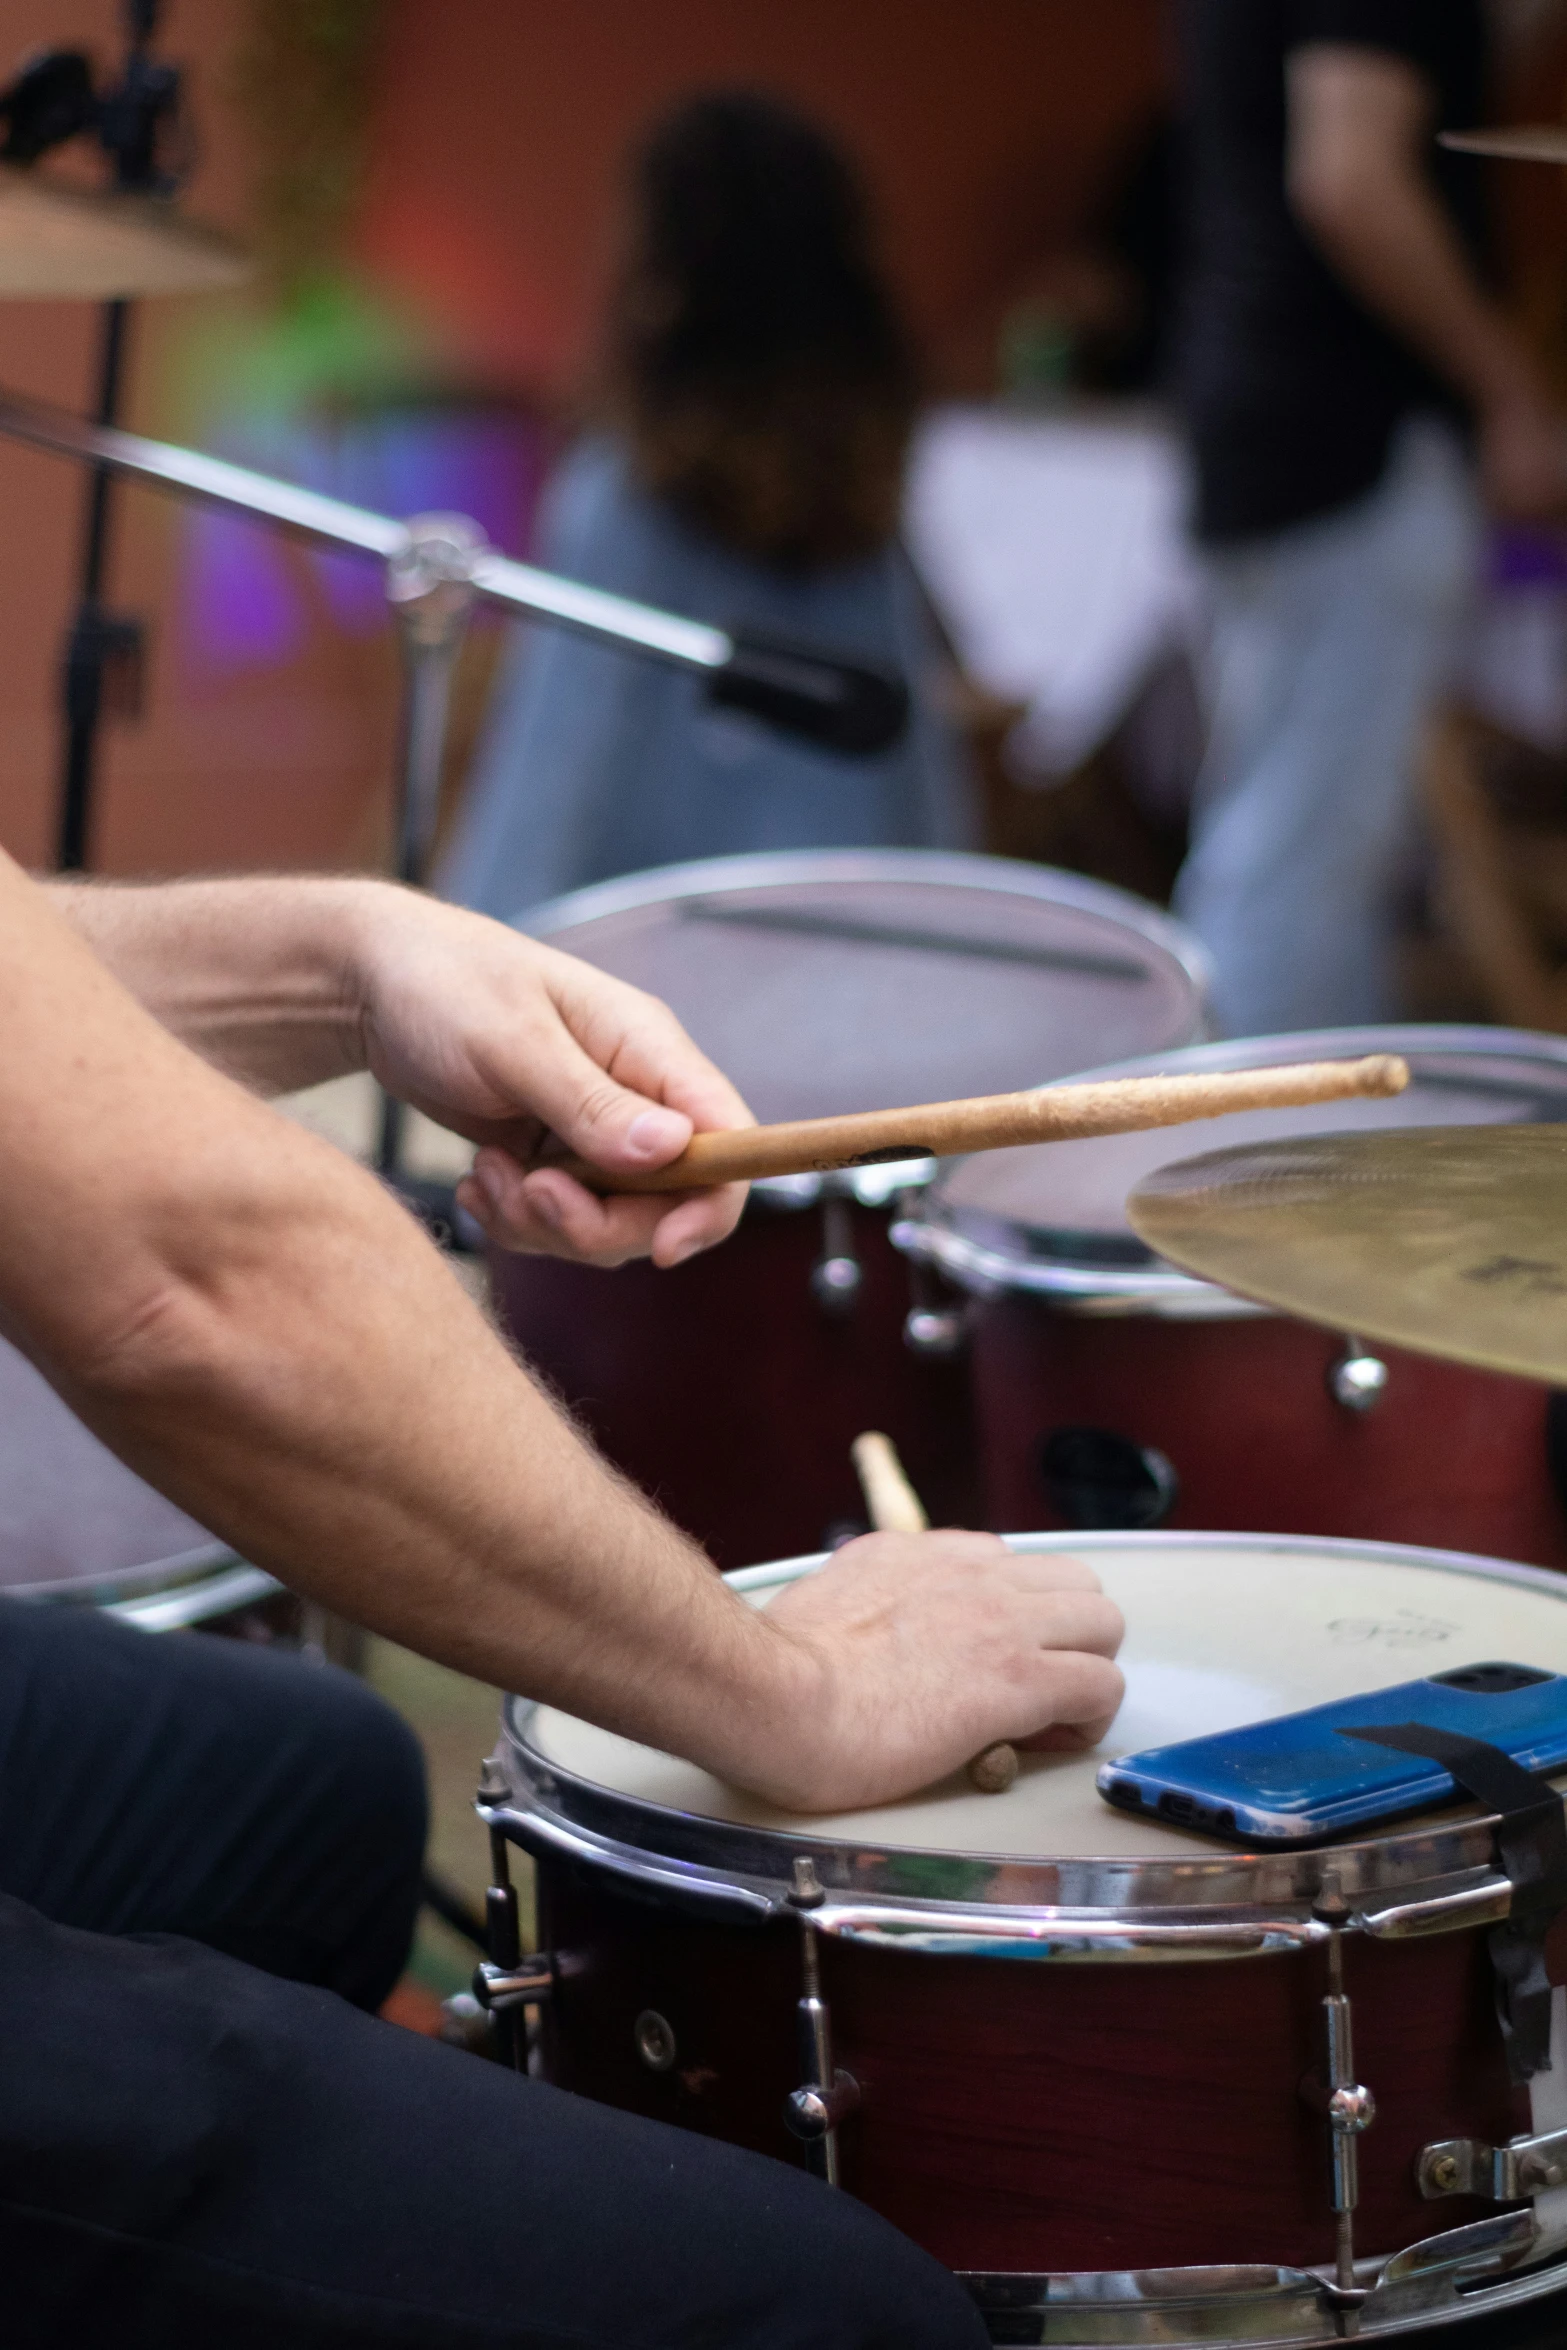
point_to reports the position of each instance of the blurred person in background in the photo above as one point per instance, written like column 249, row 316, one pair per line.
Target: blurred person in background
column 746, row 469
column 1348, row 383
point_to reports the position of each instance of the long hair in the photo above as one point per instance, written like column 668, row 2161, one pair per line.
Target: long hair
column 756, row 361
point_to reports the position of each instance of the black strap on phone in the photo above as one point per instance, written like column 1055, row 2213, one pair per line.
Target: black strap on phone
column 1531, row 1845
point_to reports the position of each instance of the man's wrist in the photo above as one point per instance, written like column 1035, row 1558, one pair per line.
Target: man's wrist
column 775, row 1736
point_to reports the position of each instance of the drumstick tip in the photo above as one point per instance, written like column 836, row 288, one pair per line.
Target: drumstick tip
column 1383, row 1073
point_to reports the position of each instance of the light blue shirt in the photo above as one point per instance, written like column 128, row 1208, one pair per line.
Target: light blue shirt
column 595, row 762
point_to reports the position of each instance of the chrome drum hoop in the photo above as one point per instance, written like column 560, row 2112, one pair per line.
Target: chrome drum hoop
column 1209, row 1905
column 1046, row 884
column 1444, row 2280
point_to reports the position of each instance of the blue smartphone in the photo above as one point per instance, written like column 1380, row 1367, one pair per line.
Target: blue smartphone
column 1294, row 1780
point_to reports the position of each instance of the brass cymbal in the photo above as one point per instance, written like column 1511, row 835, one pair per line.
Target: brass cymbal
column 1536, row 142
column 59, row 241
column 1451, row 1240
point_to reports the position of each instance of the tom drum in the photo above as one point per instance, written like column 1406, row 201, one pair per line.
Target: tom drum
column 1112, row 1390
column 79, row 1528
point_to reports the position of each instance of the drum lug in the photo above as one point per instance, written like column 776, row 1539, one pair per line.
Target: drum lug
column 507, row 1983
column 500, row 1988
column 935, row 1324
column 1497, row 2174
column 1347, row 2105
column 827, row 2096
column 1357, row 1379
column 837, row 1277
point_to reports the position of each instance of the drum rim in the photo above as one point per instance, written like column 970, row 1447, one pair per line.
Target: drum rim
column 124, row 1583
column 1203, row 1900
column 1243, row 2304
column 974, row 1247
column 760, row 869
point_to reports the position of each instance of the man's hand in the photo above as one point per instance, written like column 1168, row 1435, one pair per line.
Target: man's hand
column 507, row 1041
column 915, row 1651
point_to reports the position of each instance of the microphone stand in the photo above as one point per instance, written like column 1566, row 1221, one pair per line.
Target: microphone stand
column 128, row 120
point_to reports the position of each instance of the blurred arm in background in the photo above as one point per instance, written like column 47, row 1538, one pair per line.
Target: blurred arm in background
column 1358, row 122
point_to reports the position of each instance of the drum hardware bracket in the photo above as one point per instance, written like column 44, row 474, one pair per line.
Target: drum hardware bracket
column 828, row 2095
column 1357, row 1379
column 1496, row 2174
column 1348, row 2106
column 1531, row 1847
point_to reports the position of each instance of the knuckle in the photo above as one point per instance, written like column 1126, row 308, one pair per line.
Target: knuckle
column 599, row 1105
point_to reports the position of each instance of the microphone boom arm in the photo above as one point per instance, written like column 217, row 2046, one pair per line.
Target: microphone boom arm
column 797, row 688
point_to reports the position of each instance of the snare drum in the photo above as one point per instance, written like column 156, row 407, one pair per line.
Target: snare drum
column 79, row 1528
column 825, row 983
column 1078, row 2054
column 1112, row 1390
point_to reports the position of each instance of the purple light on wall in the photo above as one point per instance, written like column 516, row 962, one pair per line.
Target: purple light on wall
column 239, row 608
column 243, row 605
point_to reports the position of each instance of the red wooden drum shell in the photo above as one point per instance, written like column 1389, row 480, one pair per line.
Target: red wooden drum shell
column 1242, row 1411
column 1083, row 2043
column 1020, row 2119
column 823, row 983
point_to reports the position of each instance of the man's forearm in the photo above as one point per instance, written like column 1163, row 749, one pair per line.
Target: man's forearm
column 253, row 1323
column 256, row 974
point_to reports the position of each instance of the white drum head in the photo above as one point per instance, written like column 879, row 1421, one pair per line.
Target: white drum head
column 1220, row 1630
column 862, row 981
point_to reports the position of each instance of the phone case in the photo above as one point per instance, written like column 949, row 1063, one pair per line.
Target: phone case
column 1294, row 1780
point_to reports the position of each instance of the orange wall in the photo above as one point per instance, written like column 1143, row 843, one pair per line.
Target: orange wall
column 499, row 127
column 502, row 131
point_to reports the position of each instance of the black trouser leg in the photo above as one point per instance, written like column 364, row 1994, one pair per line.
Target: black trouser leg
column 170, row 1783
column 194, row 2153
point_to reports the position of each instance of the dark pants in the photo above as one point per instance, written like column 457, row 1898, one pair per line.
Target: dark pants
column 207, row 1852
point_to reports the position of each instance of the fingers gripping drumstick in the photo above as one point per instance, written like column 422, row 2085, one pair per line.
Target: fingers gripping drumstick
column 895, row 1508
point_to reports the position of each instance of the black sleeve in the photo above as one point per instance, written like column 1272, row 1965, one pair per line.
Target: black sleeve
column 1402, row 27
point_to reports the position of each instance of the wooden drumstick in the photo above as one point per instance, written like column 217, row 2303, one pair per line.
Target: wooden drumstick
column 987, row 1122
column 895, row 1508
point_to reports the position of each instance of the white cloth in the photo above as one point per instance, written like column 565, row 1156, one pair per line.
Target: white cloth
column 1054, row 550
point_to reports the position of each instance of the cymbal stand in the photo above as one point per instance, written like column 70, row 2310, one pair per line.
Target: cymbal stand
column 430, row 591
column 105, row 648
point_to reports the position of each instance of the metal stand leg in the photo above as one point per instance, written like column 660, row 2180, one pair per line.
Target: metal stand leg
column 430, row 591
column 95, row 638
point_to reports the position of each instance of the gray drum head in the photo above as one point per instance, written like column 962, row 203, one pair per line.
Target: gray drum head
column 1052, row 1217
column 75, row 1523
column 823, row 983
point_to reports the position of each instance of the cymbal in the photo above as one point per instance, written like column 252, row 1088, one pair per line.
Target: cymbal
column 1541, row 142
column 1451, row 1240
column 59, row 241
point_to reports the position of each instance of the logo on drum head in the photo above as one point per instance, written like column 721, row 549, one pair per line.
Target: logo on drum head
column 1403, row 1629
